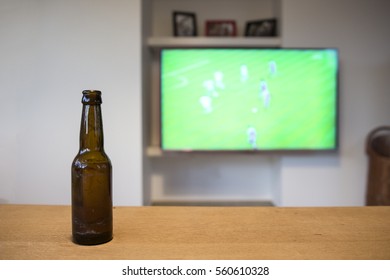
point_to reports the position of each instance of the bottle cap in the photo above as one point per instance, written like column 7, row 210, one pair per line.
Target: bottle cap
column 92, row 97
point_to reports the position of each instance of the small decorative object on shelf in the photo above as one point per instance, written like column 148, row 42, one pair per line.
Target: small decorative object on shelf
column 184, row 24
column 221, row 28
column 261, row 28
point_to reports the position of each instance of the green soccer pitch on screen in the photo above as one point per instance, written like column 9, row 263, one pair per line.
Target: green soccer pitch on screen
column 216, row 99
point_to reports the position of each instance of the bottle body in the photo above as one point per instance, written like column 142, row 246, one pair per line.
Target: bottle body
column 92, row 221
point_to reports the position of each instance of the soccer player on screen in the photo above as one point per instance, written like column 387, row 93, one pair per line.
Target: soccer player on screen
column 207, row 103
column 218, row 78
column 252, row 136
column 210, row 88
column 244, row 73
column 273, row 70
column 265, row 94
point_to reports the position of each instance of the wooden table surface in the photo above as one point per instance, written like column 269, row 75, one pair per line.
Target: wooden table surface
column 44, row 232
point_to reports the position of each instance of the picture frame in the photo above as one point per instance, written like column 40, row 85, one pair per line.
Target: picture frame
column 184, row 24
column 261, row 28
column 223, row 28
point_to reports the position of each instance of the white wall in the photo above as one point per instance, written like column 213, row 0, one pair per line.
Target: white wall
column 50, row 51
column 360, row 29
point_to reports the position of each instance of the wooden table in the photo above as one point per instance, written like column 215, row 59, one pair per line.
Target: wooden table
column 43, row 232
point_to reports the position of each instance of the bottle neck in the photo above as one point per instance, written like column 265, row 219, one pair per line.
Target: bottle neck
column 91, row 130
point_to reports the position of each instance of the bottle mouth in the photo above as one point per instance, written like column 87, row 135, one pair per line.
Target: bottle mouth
column 92, row 97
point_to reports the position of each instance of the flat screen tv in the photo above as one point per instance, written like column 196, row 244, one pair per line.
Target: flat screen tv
column 247, row 99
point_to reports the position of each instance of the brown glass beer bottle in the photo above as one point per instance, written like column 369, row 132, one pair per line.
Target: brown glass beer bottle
column 91, row 178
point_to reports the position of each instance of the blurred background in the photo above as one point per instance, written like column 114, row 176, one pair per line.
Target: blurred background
column 52, row 50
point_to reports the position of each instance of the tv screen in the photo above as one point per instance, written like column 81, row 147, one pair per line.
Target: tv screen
column 221, row 99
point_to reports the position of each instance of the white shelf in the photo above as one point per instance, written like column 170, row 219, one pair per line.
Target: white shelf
column 153, row 151
column 160, row 42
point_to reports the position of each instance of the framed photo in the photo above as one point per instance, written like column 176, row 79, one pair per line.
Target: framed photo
column 221, row 28
column 184, row 24
column 262, row 28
